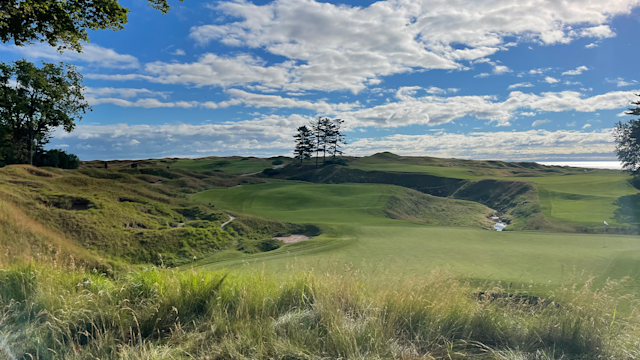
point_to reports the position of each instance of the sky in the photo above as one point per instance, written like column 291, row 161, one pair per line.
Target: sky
column 540, row 80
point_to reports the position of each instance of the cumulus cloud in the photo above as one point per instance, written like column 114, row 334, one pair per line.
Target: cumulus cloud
column 433, row 110
column 551, row 80
column 520, row 85
column 340, row 47
column 578, row 71
column 179, row 52
column 91, row 54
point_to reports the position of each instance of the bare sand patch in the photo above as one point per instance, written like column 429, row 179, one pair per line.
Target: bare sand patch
column 292, row 238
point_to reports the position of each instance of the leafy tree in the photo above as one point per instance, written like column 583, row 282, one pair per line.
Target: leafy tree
column 304, row 143
column 58, row 158
column 34, row 101
column 336, row 138
column 627, row 138
column 62, row 23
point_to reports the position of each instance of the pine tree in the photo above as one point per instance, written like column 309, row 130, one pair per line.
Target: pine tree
column 336, row 138
column 627, row 138
column 304, row 143
column 318, row 129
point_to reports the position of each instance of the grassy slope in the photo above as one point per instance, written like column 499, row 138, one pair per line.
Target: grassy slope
column 354, row 215
column 118, row 215
column 567, row 195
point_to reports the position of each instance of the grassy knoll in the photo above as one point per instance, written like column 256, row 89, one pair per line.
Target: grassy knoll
column 55, row 313
column 354, row 220
column 116, row 217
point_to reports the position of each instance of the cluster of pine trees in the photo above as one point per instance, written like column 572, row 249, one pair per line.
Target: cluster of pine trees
column 322, row 135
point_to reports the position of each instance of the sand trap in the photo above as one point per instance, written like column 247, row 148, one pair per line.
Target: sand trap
column 292, row 238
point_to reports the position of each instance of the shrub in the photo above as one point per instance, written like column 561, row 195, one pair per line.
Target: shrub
column 277, row 162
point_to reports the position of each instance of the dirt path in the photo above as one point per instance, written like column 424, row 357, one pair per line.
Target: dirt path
column 231, row 218
column 292, row 238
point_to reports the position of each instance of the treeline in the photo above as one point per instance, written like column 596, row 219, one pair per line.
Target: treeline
column 322, row 135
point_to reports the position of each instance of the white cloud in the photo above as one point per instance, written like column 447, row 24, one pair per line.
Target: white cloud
column 179, row 52
column 434, row 110
column 91, row 54
column 538, row 71
column 520, row 85
column 346, row 47
column 586, row 126
column 578, row 71
column 272, row 135
column 540, row 122
column 122, row 92
column 501, row 69
column 482, row 75
column 551, row 80
column 507, row 145
column 621, row 82
column 591, row 46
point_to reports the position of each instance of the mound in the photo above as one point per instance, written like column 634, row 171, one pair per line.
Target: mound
column 414, row 206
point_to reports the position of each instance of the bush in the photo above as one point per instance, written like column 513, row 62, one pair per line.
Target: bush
column 57, row 158
column 270, row 172
column 277, row 162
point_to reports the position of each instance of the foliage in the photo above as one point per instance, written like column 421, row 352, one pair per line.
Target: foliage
column 62, row 23
column 304, row 144
column 57, row 158
column 627, row 138
column 41, row 99
column 58, row 313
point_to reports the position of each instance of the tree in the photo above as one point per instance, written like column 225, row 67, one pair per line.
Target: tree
column 627, row 138
column 317, row 126
column 34, row 101
column 336, row 138
column 304, row 143
column 62, row 23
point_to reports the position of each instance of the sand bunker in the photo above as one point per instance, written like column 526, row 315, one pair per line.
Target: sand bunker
column 292, row 238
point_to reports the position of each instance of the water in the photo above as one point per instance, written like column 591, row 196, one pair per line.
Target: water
column 499, row 226
column 612, row 165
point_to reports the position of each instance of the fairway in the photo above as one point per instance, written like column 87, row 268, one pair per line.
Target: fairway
column 358, row 233
column 576, row 197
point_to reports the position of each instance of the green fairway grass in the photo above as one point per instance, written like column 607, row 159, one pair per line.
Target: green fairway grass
column 358, row 233
column 571, row 196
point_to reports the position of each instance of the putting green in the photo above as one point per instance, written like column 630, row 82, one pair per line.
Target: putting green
column 356, row 232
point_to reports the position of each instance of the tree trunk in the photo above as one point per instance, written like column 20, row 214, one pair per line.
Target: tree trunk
column 30, row 149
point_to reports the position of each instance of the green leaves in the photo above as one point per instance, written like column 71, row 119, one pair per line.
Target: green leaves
column 34, row 101
column 62, row 23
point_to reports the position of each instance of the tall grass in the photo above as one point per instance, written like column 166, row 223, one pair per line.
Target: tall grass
column 159, row 314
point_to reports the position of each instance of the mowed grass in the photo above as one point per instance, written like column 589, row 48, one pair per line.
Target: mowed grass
column 578, row 198
column 361, row 235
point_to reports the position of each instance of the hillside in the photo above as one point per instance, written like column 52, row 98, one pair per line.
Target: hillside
column 395, row 257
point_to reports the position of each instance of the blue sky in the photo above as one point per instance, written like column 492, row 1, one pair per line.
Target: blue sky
column 490, row 79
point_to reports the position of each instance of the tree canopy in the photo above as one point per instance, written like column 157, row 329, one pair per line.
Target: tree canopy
column 62, row 23
column 627, row 138
column 34, row 101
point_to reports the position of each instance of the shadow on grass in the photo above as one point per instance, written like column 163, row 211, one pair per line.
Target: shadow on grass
column 628, row 211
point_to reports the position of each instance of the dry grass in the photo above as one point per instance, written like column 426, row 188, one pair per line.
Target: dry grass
column 158, row 314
